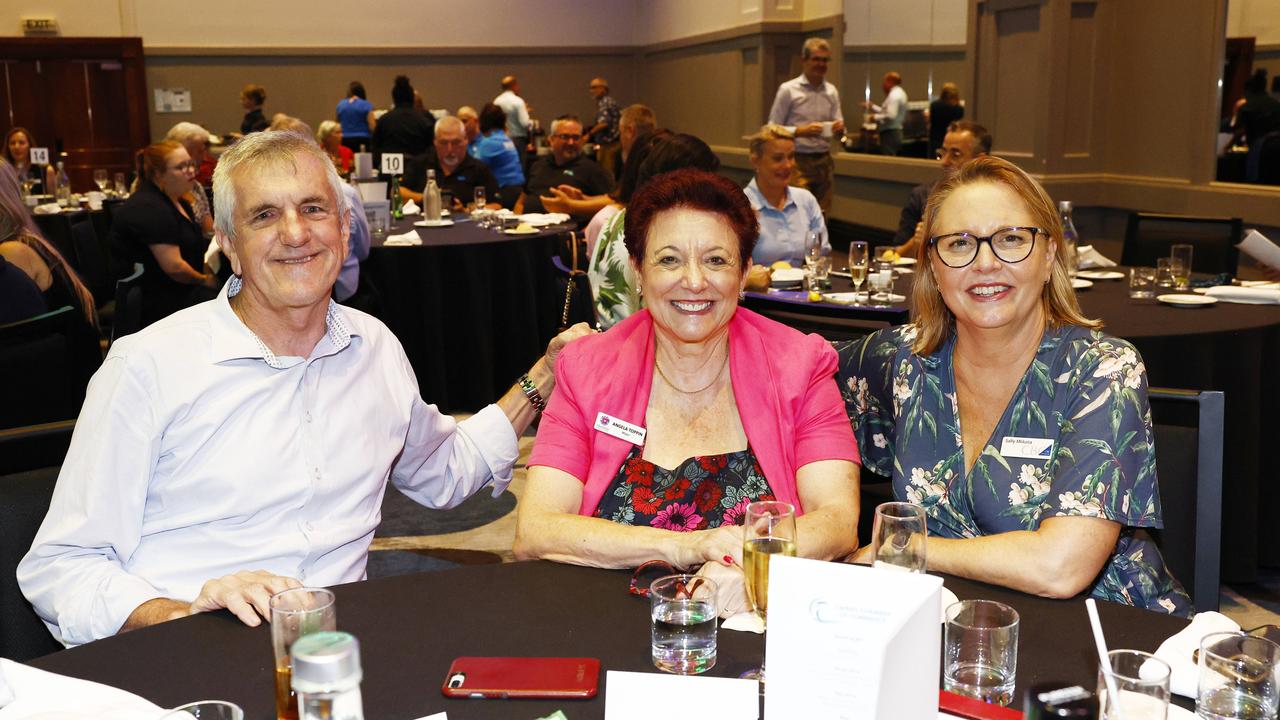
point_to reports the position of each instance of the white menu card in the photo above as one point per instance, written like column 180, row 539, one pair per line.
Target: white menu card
column 848, row 641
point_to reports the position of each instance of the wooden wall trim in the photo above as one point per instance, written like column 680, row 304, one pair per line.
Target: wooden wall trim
column 391, row 51
column 749, row 30
column 905, row 48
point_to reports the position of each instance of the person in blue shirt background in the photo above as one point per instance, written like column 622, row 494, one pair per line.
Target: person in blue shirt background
column 355, row 113
column 496, row 150
column 787, row 214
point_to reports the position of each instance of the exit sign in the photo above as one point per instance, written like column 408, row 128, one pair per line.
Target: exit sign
column 39, row 26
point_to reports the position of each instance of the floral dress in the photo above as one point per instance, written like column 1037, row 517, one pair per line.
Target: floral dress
column 702, row 492
column 613, row 279
column 1075, row 439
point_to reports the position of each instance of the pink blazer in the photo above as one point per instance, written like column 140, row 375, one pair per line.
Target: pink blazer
column 783, row 382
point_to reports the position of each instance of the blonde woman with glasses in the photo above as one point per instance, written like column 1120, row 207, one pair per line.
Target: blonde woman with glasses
column 1021, row 428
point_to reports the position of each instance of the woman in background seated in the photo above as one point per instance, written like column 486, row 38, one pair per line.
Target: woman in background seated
column 496, row 150
column 24, row 247
column 787, row 214
column 330, row 137
column 156, row 227
column 611, row 270
column 17, row 152
column 733, row 408
column 1020, row 427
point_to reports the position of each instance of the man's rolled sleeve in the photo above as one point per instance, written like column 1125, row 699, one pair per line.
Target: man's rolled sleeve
column 444, row 462
column 74, row 574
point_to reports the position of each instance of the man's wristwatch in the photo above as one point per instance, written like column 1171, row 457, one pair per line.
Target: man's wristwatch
column 531, row 393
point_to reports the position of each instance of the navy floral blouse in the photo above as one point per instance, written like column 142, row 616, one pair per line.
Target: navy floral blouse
column 704, row 492
column 1075, row 439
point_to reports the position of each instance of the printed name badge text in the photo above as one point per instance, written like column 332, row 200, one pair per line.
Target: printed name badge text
column 620, row 429
column 1030, row 448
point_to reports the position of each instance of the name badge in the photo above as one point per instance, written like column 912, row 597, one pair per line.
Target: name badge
column 620, row 429
column 1030, row 448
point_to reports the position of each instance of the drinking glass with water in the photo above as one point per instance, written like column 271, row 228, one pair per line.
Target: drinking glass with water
column 683, row 614
column 1239, row 677
column 980, row 650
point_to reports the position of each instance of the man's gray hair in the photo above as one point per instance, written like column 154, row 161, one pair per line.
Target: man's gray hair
column 555, row 124
column 185, row 132
column 450, row 122
column 813, row 45
column 272, row 147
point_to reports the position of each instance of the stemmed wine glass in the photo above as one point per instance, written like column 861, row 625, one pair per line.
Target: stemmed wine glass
column 100, row 179
column 857, row 266
column 898, row 537
column 770, row 529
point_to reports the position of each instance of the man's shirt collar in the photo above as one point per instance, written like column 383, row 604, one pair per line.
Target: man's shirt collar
column 233, row 340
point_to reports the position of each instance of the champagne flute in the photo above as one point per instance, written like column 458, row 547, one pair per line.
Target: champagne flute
column 770, row 529
column 100, row 179
column 857, row 266
column 898, row 537
column 812, row 251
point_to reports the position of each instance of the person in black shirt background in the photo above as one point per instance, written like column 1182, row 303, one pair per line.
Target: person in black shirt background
column 252, row 97
column 564, row 166
column 403, row 129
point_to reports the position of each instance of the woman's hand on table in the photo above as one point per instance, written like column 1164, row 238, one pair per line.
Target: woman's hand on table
column 731, row 588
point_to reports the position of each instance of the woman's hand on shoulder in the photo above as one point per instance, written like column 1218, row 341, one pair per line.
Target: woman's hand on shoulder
column 559, row 341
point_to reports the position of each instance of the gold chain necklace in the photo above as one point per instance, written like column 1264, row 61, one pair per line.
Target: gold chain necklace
column 677, row 388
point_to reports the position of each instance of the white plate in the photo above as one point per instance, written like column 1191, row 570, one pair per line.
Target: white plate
column 846, row 298
column 1079, row 284
column 900, row 262
column 1186, row 300
column 841, row 273
column 515, row 231
column 1101, row 274
column 433, row 223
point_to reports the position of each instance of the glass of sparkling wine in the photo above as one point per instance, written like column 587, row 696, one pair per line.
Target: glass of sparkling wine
column 1239, row 677
column 683, row 623
column 1180, row 254
column 980, row 650
column 295, row 613
column 858, row 265
column 898, row 537
column 770, row 529
column 1142, row 686
column 812, row 250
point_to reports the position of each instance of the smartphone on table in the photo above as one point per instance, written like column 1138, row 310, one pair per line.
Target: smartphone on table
column 522, row 677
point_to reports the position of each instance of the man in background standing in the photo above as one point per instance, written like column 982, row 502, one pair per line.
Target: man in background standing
column 518, row 123
column 809, row 107
column 605, row 132
column 892, row 115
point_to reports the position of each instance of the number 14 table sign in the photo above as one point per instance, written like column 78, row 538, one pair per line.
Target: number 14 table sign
column 847, row 641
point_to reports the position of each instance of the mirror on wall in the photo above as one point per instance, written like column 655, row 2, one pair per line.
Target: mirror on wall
column 1248, row 138
column 919, row 45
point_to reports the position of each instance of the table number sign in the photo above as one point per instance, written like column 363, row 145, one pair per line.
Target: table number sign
column 39, row 156
column 392, row 163
column 848, row 641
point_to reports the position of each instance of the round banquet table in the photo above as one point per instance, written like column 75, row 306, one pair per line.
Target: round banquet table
column 411, row 627
column 472, row 307
column 1227, row 346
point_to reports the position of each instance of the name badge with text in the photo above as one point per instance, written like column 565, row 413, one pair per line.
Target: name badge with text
column 620, row 429
column 1030, row 448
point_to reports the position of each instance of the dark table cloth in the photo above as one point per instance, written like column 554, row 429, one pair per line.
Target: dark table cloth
column 1227, row 346
column 473, row 308
column 411, row 627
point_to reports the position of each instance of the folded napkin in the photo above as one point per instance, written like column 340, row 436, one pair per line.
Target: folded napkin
column 409, row 238
column 47, row 209
column 45, row 695
column 1245, row 295
column 1177, row 650
column 1087, row 258
column 543, row 219
column 410, row 208
column 745, row 622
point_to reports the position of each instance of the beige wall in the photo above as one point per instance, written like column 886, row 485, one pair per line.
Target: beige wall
column 1254, row 18
column 905, row 22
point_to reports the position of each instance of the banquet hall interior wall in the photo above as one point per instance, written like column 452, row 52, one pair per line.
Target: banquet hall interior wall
column 1112, row 104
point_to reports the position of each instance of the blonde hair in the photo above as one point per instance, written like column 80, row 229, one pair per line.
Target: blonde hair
column 769, row 131
column 327, row 128
column 931, row 315
column 950, row 93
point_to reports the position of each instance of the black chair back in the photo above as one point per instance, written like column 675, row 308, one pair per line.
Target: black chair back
column 57, row 230
column 49, row 359
column 128, row 316
column 1149, row 236
column 24, row 501
column 1188, row 434
column 91, row 263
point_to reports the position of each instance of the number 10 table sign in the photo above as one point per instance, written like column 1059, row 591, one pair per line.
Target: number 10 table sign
column 847, row 641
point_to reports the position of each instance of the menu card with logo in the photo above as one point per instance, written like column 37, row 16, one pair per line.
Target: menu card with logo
column 848, row 641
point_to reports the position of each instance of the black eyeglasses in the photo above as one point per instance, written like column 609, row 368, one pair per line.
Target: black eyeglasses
column 1010, row 245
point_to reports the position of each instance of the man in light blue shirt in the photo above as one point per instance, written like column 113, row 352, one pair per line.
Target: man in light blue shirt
column 892, row 115
column 809, row 107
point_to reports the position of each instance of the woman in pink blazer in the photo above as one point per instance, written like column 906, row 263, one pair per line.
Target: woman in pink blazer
column 664, row 428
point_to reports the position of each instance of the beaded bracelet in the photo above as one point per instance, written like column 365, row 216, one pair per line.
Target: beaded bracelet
column 531, row 393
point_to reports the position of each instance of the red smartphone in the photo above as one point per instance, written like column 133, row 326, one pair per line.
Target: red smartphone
column 522, row 677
